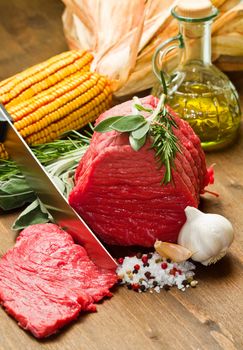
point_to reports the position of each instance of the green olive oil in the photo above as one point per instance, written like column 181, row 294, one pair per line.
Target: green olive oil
column 213, row 113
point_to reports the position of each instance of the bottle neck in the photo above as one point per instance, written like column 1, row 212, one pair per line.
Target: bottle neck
column 197, row 42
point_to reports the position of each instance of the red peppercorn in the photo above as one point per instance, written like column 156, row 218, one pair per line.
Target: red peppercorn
column 173, row 271
column 120, row 261
column 135, row 287
column 136, row 267
column 164, row 265
column 144, row 259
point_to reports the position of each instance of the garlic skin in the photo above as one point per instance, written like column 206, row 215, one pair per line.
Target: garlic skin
column 207, row 236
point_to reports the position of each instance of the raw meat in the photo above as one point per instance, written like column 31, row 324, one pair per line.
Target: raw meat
column 46, row 280
column 118, row 191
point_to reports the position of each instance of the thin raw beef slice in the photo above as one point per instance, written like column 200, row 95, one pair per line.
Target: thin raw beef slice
column 46, row 280
column 118, row 191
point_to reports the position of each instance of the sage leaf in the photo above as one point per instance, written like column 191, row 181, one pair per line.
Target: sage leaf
column 136, row 144
column 105, row 125
column 128, row 123
column 15, row 185
column 14, row 193
column 140, row 132
column 142, row 108
column 13, row 201
column 35, row 213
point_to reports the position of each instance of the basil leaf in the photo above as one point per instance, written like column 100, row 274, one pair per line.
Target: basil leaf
column 128, row 123
column 35, row 213
column 105, row 125
column 140, row 132
column 136, row 144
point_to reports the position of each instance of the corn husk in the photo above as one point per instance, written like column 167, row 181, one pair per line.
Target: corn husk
column 123, row 35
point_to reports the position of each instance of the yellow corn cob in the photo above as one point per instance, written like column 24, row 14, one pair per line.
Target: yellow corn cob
column 70, row 104
column 41, row 76
column 3, row 153
column 55, row 96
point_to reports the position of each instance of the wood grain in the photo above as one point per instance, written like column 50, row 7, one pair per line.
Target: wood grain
column 209, row 317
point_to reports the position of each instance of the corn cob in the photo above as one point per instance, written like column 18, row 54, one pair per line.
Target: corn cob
column 70, row 104
column 3, row 153
column 67, row 105
column 41, row 76
column 54, row 97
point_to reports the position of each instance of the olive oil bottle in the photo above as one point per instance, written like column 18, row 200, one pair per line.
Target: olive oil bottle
column 197, row 90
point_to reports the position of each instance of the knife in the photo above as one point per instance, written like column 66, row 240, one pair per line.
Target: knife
column 49, row 194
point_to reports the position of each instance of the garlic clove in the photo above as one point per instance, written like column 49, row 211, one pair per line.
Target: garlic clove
column 208, row 236
column 175, row 252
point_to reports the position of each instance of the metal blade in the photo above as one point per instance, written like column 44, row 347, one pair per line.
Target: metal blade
column 50, row 195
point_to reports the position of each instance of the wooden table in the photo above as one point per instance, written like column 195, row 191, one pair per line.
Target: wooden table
column 209, row 317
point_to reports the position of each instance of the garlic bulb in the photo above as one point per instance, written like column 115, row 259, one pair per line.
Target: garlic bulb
column 207, row 236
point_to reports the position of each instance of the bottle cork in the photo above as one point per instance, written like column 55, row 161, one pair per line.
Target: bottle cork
column 194, row 9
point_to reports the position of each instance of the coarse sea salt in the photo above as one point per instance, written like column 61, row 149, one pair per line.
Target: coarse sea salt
column 152, row 272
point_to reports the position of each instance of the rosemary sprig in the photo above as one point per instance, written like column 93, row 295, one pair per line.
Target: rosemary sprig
column 165, row 143
column 158, row 125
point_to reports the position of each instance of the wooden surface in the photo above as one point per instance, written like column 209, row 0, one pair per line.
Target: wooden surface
column 209, row 317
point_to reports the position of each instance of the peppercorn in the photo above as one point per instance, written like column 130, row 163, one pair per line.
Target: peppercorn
column 185, row 283
column 148, row 275
column 145, row 259
column 135, row 271
column 193, row 283
column 120, row 261
column 149, row 255
column 168, row 260
column 139, row 255
column 166, row 287
column 142, row 288
column 164, row 265
column 135, row 287
column 129, row 286
column 146, row 265
column 155, row 283
column 136, row 267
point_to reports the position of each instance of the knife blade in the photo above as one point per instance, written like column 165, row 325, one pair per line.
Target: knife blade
column 49, row 194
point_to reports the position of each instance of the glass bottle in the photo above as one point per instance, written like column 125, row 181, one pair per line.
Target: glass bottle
column 197, row 90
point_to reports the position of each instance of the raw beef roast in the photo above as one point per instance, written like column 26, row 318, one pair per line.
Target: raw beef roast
column 46, row 280
column 118, row 191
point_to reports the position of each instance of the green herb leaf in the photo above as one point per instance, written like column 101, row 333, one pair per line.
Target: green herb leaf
column 13, row 201
column 60, row 158
column 35, row 213
column 128, row 123
column 141, row 132
column 136, row 144
column 142, row 108
column 105, row 125
column 14, row 193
